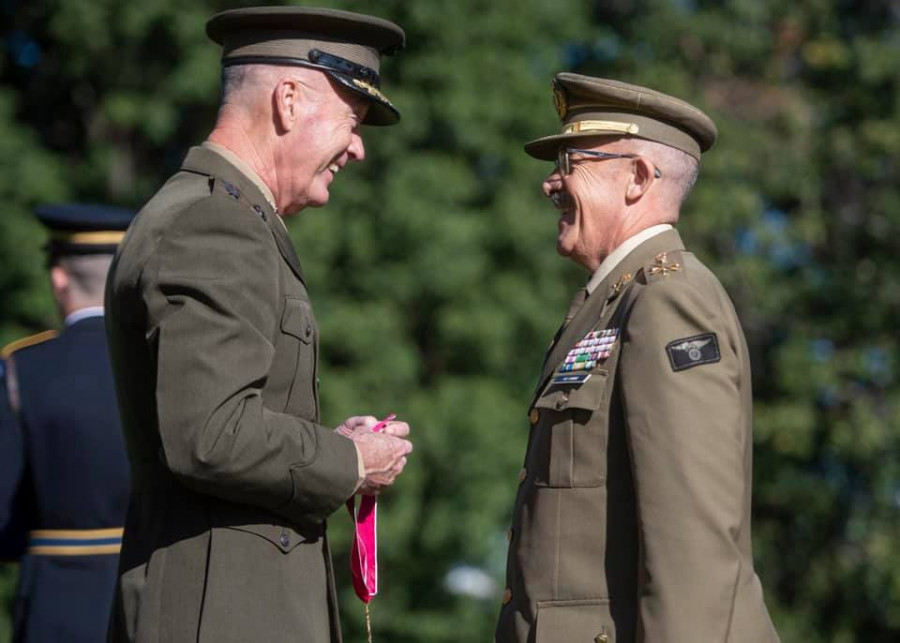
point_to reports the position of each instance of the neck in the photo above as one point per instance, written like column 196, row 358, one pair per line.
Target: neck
column 231, row 133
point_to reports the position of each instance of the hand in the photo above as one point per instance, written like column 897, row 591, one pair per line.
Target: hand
column 383, row 454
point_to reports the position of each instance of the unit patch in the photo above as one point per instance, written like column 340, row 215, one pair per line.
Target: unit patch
column 596, row 346
column 693, row 351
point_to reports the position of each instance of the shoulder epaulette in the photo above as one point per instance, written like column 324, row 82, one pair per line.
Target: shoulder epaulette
column 663, row 266
column 31, row 340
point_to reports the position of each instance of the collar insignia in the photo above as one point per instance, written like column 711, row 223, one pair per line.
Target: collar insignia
column 662, row 265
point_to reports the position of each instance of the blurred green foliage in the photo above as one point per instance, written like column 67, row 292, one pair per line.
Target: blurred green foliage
column 435, row 280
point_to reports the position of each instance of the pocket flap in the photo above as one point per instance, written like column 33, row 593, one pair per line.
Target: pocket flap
column 297, row 319
column 283, row 537
column 259, row 522
column 577, row 621
column 589, row 395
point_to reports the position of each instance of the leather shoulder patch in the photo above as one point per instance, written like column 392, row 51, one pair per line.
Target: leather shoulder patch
column 689, row 352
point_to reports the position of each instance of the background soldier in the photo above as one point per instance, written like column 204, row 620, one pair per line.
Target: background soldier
column 63, row 469
column 632, row 520
column 215, row 347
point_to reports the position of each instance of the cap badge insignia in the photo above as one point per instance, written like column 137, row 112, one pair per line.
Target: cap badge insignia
column 596, row 346
column 560, row 102
column 662, row 266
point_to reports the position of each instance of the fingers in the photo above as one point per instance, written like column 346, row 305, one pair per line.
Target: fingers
column 396, row 429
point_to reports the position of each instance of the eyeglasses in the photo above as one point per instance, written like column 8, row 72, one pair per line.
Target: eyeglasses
column 564, row 162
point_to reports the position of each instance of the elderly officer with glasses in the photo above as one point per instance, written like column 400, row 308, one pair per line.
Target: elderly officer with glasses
column 632, row 517
column 215, row 347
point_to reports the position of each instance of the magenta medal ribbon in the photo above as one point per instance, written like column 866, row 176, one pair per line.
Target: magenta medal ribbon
column 364, row 554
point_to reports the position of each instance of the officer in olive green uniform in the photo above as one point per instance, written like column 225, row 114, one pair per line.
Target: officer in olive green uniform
column 215, row 348
column 632, row 519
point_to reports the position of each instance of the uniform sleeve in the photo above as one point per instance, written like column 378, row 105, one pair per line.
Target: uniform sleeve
column 13, row 528
column 213, row 306
column 687, row 455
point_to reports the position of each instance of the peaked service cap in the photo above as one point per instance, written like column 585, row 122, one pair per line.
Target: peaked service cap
column 346, row 46
column 80, row 228
column 590, row 107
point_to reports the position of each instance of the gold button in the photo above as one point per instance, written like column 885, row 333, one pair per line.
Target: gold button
column 602, row 637
column 534, row 416
column 509, row 535
column 523, row 474
column 507, row 596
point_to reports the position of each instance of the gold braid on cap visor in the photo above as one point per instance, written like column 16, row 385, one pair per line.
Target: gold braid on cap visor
column 89, row 238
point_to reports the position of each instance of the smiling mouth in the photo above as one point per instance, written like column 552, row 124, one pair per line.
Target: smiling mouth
column 562, row 202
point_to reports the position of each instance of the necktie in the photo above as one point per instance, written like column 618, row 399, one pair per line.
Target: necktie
column 575, row 305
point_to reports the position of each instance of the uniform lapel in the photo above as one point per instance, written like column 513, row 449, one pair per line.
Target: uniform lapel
column 602, row 303
column 201, row 160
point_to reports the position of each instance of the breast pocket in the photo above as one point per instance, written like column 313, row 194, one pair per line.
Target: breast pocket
column 569, row 443
column 293, row 371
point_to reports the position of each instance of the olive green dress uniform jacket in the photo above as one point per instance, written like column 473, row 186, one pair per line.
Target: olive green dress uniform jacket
column 214, row 347
column 632, row 519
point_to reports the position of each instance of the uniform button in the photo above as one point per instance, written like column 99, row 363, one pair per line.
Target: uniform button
column 308, row 331
column 507, row 596
column 523, row 474
column 285, row 540
column 509, row 535
column 534, row 416
column 602, row 637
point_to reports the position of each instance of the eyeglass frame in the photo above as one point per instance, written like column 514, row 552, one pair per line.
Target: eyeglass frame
column 564, row 164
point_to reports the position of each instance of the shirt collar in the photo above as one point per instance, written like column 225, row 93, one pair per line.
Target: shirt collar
column 615, row 257
column 83, row 313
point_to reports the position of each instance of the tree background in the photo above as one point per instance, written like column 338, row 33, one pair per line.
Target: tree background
column 437, row 287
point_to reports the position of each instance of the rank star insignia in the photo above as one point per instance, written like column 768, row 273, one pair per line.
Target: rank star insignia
column 662, row 266
column 560, row 102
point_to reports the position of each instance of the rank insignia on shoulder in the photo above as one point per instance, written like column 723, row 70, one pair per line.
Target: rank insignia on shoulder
column 594, row 347
column 693, row 351
column 571, row 378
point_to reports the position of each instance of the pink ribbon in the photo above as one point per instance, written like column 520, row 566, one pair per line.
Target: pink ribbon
column 364, row 554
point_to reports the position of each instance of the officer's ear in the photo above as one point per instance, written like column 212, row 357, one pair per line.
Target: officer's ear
column 643, row 175
column 284, row 104
column 59, row 281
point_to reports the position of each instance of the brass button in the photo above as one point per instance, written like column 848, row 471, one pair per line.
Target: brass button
column 523, row 474
column 602, row 637
column 507, row 596
column 534, row 416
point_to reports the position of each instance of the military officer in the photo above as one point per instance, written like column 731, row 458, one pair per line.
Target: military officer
column 632, row 518
column 215, row 347
column 63, row 469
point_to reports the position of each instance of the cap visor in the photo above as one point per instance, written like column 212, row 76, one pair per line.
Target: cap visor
column 381, row 111
column 546, row 148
